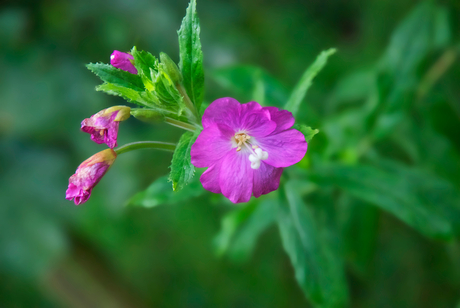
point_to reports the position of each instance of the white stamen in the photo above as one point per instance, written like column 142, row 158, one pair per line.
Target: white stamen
column 112, row 56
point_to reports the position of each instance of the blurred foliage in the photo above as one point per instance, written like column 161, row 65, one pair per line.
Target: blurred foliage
column 372, row 216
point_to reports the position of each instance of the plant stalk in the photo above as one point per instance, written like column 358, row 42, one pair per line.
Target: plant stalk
column 165, row 146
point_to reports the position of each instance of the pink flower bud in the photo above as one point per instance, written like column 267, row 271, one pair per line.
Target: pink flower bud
column 103, row 126
column 122, row 60
column 88, row 174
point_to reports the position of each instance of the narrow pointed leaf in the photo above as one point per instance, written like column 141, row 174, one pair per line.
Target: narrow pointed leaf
column 427, row 203
column 318, row 269
column 191, row 56
column 300, row 90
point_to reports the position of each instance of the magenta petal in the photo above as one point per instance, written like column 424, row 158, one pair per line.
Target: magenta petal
column 249, row 107
column 236, row 177
column 210, row 179
column 258, row 123
column 283, row 119
column 223, row 110
column 266, row 179
column 111, row 136
column 284, row 149
column 103, row 128
column 213, row 143
column 122, row 60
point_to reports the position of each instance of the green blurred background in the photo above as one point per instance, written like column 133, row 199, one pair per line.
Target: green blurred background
column 104, row 254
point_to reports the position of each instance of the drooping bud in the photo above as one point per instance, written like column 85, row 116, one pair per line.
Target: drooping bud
column 88, row 174
column 170, row 68
column 103, row 126
column 123, row 61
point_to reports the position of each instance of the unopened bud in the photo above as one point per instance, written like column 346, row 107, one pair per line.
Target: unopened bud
column 170, row 68
column 147, row 115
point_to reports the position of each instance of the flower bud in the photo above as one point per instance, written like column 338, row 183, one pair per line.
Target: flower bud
column 147, row 115
column 170, row 68
column 88, row 174
column 103, row 126
column 123, row 61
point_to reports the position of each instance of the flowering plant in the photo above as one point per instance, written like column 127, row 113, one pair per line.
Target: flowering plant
column 245, row 147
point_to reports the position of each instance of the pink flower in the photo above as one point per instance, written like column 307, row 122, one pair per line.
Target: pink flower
column 246, row 148
column 88, row 174
column 122, row 60
column 103, row 126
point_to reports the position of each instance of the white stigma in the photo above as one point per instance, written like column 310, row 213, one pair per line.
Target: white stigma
column 112, row 56
column 256, row 157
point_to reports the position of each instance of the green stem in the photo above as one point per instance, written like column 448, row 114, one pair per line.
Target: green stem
column 180, row 124
column 189, row 103
column 165, row 146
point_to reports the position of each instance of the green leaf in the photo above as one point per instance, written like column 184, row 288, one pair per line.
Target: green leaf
column 318, row 269
column 241, row 228
column 116, row 76
column 308, row 132
column 182, row 170
column 191, row 56
column 359, row 226
column 130, row 95
column 229, row 226
column 428, row 204
column 159, row 193
column 305, row 81
column 245, row 239
column 144, row 61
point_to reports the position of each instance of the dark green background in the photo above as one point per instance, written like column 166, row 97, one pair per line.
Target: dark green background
column 103, row 254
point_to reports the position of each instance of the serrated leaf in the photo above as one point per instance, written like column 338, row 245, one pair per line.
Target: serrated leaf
column 130, row 95
column 144, row 61
column 159, row 193
column 307, row 131
column 191, row 56
column 318, row 270
column 428, row 204
column 182, row 170
column 116, row 76
column 300, row 90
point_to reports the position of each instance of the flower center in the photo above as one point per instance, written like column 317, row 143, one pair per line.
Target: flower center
column 257, row 154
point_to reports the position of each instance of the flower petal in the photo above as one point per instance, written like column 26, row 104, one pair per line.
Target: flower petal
column 283, row 118
column 122, row 60
column 210, row 179
column 223, row 110
column 112, row 133
column 284, row 149
column 211, row 145
column 266, row 179
column 236, row 177
column 249, row 117
column 257, row 123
